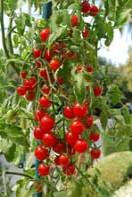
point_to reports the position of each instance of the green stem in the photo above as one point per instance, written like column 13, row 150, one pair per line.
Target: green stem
column 53, row 104
column 9, row 35
column 4, row 183
column 18, row 174
column 3, row 30
column 18, row 61
column 4, row 37
column 86, row 178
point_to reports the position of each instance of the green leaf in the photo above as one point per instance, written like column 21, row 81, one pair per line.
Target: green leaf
column 11, row 130
column 20, row 24
column 28, row 20
column 53, row 21
column 104, row 118
column 10, row 6
column 10, row 154
column 5, row 144
column 79, row 85
column 24, row 188
column 55, row 35
column 16, row 40
column 14, row 133
column 127, row 116
column 114, row 94
column 65, row 18
column 74, row 7
column 109, row 33
column 76, row 189
column 76, row 38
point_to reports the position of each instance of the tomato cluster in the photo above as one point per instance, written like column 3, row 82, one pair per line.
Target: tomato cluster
column 72, row 143
column 43, row 82
column 86, row 8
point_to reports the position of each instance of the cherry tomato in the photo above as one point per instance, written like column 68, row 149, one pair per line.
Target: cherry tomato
column 68, row 112
column 49, row 139
column 44, row 34
column 47, row 123
column 77, row 127
column 80, row 146
column 41, row 153
column 95, row 153
column 43, row 170
column 74, row 21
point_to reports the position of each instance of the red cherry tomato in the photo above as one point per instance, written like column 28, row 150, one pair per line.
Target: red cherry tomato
column 47, row 55
column 30, row 96
column 85, row 7
column 95, row 153
column 74, row 21
column 36, row 53
column 77, row 127
column 21, row 90
column 45, row 102
column 85, row 33
column 43, row 73
column 44, row 34
column 23, row 74
column 54, row 64
column 38, row 133
column 69, row 170
column 41, row 153
column 80, row 146
column 45, row 89
column 68, row 112
column 94, row 136
column 59, row 148
column 97, row 90
column 71, row 138
column 30, row 84
column 64, row 160
column 39, row 114
column 94, row 10
column 80, row 110
column 49, row 139
column 47, row 123
column 43, row 170
column 89, row 121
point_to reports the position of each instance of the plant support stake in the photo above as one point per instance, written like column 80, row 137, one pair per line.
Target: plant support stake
column 47, row 12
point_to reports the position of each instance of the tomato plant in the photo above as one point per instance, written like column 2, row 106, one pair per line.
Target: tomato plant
column 55, row 103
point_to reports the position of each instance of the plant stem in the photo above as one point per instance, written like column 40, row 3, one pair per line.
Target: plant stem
column 29, row 7
column 4, row 37
column 3, row 30
column 86, row 178
column 10, row 34
column 18, row 174
column 4, row 183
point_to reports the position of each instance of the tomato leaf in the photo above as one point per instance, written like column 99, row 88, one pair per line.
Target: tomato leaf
column 114, row 94
column 79, row 85
column 55, row 35
column 127, row 116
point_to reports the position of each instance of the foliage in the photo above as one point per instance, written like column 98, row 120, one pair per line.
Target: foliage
column 17, row 114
